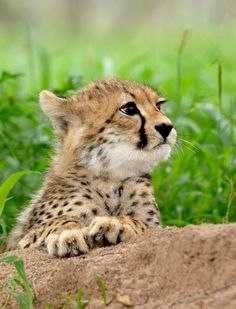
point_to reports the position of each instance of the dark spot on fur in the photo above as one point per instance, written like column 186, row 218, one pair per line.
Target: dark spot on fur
column 55, row 206
column 73, row 191
column 83, row 215
column 87, row 196
column 147, row 203
column 140, row 180
column 90, row 148
column 69, row 209
column 84, row 183
column 135, row 203
column 94, row 211
column 107, row 207
column 151, row 212
column 146, row 176
column 120, row 190
column 144, row 194
column 78, row 203
column 100, row 194
column 132, row 194
column 41, row 213
column 101, row 129
column 60, row 213
column 49, row 216
column 65, row 222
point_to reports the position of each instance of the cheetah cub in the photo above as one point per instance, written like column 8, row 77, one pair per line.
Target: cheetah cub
column 97, row 192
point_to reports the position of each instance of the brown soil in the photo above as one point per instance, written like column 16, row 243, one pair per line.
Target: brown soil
column 192, row 267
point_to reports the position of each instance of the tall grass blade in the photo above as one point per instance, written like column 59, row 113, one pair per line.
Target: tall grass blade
column 220, row 86
column 182, row 45
column 232, row 196
column 8, row 185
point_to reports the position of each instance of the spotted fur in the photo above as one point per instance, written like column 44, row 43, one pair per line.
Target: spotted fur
column 97, row 191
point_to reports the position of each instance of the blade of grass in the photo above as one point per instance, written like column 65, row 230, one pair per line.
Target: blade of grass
column 102, row 287
column 231, row 198
column 80, row 299
column 6, row 187
column 182, row 45
column 220, row 85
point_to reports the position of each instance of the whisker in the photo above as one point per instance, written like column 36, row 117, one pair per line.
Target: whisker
column 188, row 145
column 177, row 151
column 184, row 141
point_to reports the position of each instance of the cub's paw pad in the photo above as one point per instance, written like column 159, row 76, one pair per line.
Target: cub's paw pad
column 67, row 243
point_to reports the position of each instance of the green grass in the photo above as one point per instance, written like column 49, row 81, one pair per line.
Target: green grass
column 103, row 289
column 78, row 303
column 19, row 286
column 195, row 69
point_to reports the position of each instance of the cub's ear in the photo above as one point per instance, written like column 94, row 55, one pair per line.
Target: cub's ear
column 58, row 109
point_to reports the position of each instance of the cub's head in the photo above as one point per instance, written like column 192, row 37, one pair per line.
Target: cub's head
column 111, row 127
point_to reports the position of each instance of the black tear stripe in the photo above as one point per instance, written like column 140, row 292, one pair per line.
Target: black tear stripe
column 142, row 135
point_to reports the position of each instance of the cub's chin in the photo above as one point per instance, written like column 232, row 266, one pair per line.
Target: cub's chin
column 163, row 152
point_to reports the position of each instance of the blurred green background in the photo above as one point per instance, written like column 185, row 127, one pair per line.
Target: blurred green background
column 186, row 49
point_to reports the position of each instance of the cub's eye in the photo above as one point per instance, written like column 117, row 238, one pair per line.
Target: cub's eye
column 160, row 102
column 129, row 109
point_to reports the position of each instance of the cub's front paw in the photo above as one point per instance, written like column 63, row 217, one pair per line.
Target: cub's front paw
column 105, row 231
column 69, row 242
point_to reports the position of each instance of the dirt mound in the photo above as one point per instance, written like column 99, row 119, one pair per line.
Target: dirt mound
column 192, row 267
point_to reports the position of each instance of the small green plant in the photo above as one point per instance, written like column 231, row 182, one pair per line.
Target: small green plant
column 103, row 290
column 26, row 296
column 80, row 301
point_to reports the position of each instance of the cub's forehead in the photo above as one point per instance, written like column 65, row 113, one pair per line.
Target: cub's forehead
column 124, row 89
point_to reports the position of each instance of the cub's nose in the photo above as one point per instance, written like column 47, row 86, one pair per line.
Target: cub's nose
column 164, row 129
